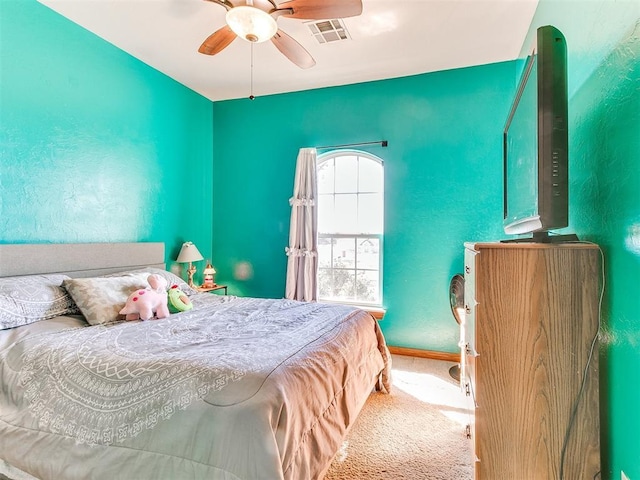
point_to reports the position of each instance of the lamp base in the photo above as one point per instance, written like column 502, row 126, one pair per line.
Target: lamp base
column 191, row 271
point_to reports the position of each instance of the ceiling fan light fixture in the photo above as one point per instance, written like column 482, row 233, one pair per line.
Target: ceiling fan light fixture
column 251, row 23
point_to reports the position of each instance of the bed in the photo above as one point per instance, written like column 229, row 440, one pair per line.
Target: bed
column 236, row 388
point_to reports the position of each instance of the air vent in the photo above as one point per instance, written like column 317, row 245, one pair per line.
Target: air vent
column 326, row 31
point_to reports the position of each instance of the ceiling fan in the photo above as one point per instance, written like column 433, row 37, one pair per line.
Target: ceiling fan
column 255, row 22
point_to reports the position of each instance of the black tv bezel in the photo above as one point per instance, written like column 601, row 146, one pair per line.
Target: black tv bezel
column 550, row 57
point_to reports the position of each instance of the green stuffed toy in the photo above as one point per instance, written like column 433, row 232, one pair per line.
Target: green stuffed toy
column 178, row 300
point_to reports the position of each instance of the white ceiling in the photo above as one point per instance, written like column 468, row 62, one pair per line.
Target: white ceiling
column 392, row 38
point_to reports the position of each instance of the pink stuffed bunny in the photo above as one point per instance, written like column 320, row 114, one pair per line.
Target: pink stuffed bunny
column 145, row 302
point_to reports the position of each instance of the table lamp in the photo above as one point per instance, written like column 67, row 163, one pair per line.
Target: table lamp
column 189, row 253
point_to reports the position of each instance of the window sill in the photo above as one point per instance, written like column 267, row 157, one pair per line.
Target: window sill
column 376, row 312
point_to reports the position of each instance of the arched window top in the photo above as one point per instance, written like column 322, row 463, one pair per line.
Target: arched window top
column 322, row 157
column 354, row 181
column 350, row 171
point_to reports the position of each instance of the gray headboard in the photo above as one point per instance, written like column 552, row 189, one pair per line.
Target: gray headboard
column 79, row 259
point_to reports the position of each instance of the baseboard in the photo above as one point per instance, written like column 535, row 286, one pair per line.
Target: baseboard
column 414, row 352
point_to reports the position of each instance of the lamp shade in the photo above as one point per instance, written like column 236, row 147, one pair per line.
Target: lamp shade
column 189, row 253
column 251, row 23
column 209, row 270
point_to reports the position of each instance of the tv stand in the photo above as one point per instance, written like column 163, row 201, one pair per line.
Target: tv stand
column 544, row 237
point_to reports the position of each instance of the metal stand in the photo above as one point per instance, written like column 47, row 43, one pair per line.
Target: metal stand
column 455, row 372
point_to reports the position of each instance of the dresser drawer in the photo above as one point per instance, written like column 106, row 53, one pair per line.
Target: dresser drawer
column 468, row 389
column 470, row 272
column 470, row 359
column 471, row 310
column 470, row 301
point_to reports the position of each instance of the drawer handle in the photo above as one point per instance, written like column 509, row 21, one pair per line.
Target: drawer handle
column 467, row 431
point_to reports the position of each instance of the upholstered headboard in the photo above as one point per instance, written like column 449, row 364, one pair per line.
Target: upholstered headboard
column 79, row 259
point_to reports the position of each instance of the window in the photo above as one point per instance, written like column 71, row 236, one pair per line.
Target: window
column 350, row 227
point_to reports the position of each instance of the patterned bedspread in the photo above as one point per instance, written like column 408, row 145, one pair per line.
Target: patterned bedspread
column 114, row 388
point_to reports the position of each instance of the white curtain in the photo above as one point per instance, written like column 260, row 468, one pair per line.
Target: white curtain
column 302, row 264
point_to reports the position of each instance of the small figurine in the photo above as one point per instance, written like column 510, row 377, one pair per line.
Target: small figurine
column 208, row 276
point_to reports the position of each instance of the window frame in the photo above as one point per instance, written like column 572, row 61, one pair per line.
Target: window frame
column 333, row 155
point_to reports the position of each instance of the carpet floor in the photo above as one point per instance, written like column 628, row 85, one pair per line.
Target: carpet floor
column 417, row 432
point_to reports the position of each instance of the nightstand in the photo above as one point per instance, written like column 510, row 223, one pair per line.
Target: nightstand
column 211, row 289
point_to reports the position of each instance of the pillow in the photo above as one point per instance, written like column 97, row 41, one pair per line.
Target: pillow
column 31, row 298
column 171, row 278
column 101, row 298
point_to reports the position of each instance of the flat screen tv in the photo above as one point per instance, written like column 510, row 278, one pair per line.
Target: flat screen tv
column 535, row 145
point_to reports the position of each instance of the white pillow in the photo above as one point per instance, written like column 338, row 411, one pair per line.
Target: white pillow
column 31, row 298
column 101, row 298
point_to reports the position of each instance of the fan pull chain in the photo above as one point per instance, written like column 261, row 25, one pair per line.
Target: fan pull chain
column 251, row 97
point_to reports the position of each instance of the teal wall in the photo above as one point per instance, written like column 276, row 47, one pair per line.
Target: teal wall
column 442, row 183
column 95, row 145
column 603, row 40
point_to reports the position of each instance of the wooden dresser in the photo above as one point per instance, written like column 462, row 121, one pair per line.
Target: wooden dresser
column 532, row 312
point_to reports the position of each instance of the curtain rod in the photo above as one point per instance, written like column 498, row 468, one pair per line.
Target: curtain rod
column 383, row 143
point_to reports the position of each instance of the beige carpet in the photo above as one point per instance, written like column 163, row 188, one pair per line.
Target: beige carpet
column 414, row 433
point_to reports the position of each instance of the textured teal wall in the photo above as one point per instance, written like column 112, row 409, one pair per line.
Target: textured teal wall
column 442, row 183
column 606, row 144
column 95, row 145
column 603, row 38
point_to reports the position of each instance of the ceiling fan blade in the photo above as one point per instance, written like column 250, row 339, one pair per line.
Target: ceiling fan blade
column 217, row 41
column 321, row 9
column 223, row 3
column 291, row 49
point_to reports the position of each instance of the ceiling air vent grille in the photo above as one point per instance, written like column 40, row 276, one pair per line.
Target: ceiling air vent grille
column 326, row 31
